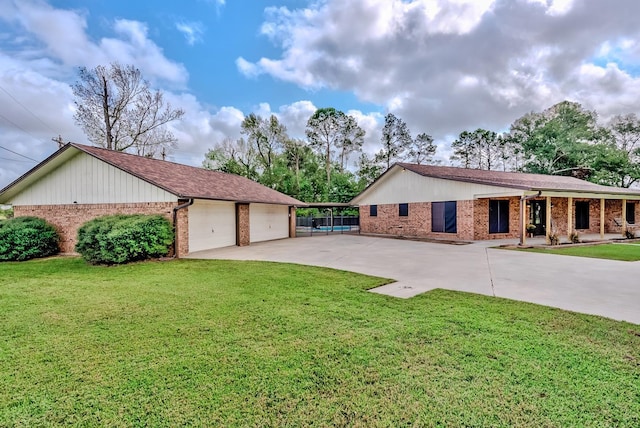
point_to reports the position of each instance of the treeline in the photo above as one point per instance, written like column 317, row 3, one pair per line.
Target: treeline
column 565, row 139
column 315, row 169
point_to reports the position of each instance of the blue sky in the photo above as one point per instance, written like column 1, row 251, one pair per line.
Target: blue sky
column 444, row 66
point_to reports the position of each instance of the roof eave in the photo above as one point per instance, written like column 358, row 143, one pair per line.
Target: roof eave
column 32, row 175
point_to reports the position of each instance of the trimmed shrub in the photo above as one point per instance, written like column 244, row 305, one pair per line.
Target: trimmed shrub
column 118, row 239
column 25, row 238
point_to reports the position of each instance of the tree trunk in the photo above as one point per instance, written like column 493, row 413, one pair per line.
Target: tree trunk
column 105, row 110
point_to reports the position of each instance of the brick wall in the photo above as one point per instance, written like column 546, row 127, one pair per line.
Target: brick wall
column 417, row 223
column 292, row 222
column 613, row 210
column 68, row 218
column 473, row 219
column 243, row 231
column 481, row 219
column 182, row 236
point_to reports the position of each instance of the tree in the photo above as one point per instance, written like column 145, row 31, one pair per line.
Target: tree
column 625, row 132
column 329, row 130
column 422, row 150
column 233, row 157
column 480, row 149
column 562, row 140
column 267, row 136
column 117, row 110
column 368, row 170
column 351, row 140
column 396, row 139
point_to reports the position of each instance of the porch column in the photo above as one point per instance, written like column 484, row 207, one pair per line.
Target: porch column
column 624, row 217
column 523, row 221
column 569, row 217
column 548, row 225
column 601, row 218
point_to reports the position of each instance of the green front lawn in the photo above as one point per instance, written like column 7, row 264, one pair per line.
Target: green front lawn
column 624, row 252
column 229, row 343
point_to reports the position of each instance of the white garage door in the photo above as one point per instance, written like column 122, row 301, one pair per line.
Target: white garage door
column 212, row 224
column 268, row 222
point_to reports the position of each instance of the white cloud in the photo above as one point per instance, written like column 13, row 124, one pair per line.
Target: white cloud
column 447, row 66
column 61, row 35
column 192, row 31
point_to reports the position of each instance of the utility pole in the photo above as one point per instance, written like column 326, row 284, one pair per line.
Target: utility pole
column 59, row 141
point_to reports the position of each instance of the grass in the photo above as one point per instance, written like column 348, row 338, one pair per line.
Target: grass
column 623, row 252
column 230, row 343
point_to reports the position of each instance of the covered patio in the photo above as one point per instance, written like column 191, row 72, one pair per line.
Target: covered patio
column 564, row 216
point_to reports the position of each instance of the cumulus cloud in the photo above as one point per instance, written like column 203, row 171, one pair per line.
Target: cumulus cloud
column 38, row 60
column 61, row 35
column 456, row 65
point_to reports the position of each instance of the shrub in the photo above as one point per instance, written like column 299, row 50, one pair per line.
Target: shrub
column 25, row 238
column 574, row 237
column 120, row 239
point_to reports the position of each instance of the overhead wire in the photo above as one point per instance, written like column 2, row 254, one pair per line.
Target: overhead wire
column 27, row 109
column 19, row 154
column 19, row 127
column 15, row 160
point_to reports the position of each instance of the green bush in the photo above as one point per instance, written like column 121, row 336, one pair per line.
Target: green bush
column 120, row 239
column 25, row 238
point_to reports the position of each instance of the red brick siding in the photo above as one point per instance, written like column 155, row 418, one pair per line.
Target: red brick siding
column 473, row 219
column 68, row 218
column 292, row 222
column 417, row 223
column 613, row 210
column 481, row 219
column 242, row 225
column 182, row 235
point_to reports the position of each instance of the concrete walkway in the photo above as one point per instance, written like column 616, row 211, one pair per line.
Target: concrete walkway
column 593, row 286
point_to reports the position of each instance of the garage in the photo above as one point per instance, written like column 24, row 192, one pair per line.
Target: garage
column 212, row 224
column 268, row 222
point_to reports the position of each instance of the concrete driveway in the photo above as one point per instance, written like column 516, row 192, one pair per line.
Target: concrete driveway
column 593, row 286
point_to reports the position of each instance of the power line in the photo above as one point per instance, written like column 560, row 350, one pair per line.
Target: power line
column 19, row 127
column 15, row 160
column 19, row 154
column 24, row 107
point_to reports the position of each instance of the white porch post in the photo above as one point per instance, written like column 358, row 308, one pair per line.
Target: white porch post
column 548, row 225
column 569, row 217
column 624, row 217
column 523, row 221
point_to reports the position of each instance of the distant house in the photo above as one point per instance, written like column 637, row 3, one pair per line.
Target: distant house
column 209, row 209
column 468, row 204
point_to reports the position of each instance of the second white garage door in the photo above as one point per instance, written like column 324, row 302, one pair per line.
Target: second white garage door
column 268, row 222
column 212, row 224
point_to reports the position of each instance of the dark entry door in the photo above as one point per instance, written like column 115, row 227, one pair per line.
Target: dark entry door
column 538, row 216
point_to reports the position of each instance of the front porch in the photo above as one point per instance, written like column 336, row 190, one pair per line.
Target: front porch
column 565, row 218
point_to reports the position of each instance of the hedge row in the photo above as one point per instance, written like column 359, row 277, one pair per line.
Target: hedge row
column 120, row 239
column 25, row 238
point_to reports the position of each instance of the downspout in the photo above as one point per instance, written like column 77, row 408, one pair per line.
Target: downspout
column 523, row 205
column 175, row 225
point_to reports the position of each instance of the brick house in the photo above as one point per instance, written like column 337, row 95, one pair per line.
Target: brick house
column 468, row 204
column 209, row 209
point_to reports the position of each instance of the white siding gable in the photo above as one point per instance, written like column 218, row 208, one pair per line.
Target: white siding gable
column 84, row 179
column 402, row 186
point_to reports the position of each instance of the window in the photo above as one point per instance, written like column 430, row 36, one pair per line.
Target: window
column 499, row 216
column 582, row 215
column 631, row 212
column 443, row 217
column 373, row 211
column 403, row 210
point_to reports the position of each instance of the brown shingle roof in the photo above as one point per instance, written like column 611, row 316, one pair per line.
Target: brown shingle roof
column 516, row 180
column 190, row 182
